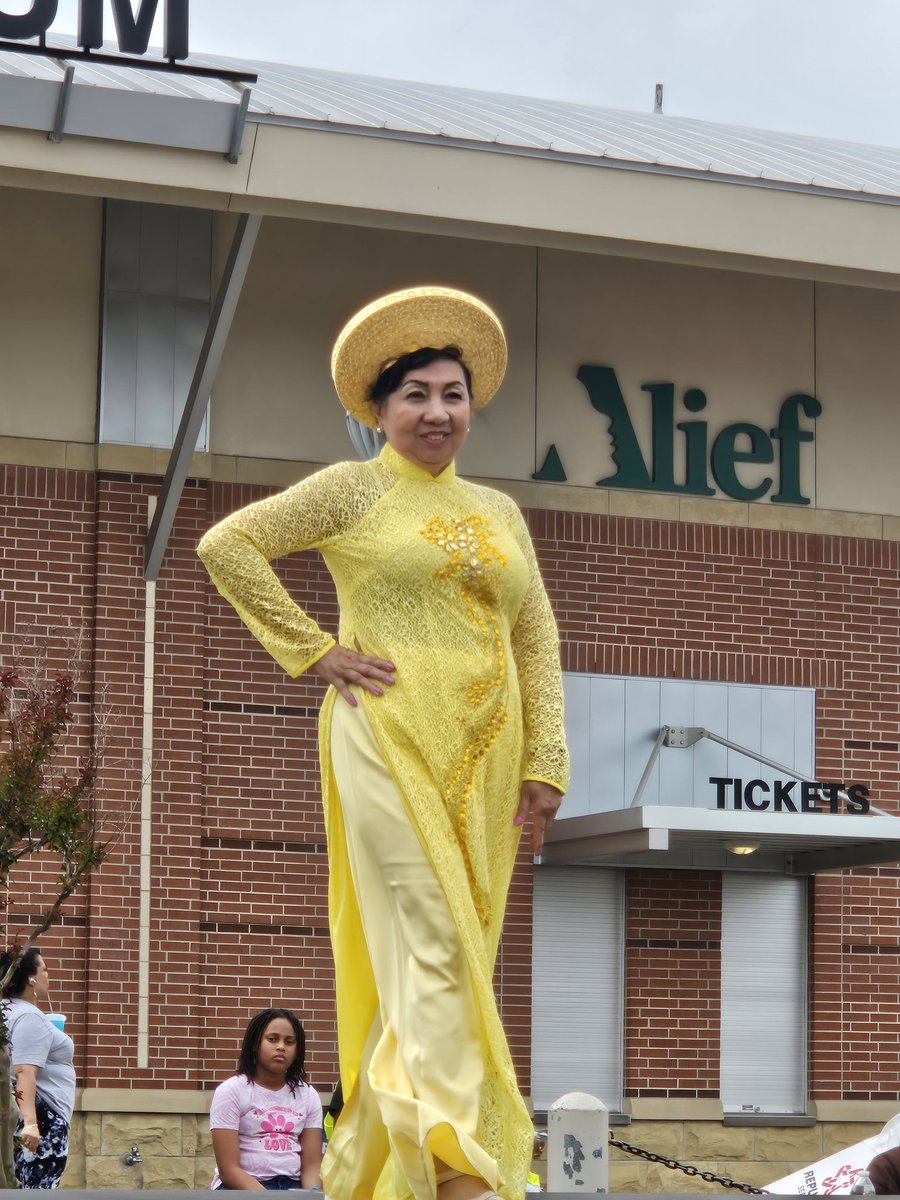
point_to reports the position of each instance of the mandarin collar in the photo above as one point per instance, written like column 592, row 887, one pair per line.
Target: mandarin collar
column 409, row 470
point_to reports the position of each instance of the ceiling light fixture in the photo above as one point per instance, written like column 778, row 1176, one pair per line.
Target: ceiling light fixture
column 742, row 847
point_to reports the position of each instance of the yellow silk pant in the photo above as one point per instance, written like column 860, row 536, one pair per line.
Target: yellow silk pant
column 419, row 1083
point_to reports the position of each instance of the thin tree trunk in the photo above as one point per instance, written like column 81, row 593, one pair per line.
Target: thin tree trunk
column 9, row 1116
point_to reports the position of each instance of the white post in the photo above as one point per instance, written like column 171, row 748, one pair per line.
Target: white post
column 578, row 1145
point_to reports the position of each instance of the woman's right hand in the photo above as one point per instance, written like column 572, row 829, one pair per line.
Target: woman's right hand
column 346, row 668
column 30, row 1136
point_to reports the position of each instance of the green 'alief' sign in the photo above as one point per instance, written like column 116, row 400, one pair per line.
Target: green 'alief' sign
column 739, row 443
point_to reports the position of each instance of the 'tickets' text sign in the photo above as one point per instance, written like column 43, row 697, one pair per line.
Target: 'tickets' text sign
column 790, row 795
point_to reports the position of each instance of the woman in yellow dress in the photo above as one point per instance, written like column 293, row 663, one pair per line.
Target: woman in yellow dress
column 440, row 736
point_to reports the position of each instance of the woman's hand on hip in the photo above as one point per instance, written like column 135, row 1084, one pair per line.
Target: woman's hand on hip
column 539, row 801
column 347, row 668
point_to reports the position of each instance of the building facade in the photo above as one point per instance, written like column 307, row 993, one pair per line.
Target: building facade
column 699, row 421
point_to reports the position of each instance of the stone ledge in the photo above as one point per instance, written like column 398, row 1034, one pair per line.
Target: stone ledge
column 554, row 497
column 864, row 1111
column 175, row 1101
column 786, row 1121
column 661, row 1108
column 142, row 1100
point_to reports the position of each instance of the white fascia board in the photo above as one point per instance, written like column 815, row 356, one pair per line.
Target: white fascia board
column 786, row 827
column 798, row 826
column 664, row 836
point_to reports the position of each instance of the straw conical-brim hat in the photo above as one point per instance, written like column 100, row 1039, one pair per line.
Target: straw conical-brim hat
column 406, row 321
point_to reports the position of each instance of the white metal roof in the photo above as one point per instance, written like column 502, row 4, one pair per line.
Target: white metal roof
column 366, row 104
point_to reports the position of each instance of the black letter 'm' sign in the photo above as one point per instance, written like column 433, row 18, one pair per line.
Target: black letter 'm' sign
column 31, row 24
column 132, row 31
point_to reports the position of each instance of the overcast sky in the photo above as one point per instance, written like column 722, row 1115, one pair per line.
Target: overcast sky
column 825, row 67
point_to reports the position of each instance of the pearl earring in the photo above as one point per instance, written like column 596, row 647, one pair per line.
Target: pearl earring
column 378, row 429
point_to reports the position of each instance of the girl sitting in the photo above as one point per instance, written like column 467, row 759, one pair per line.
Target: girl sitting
column 266, row 1121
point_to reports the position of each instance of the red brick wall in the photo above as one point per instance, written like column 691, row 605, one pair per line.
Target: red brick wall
column 673, row 944
column 239, row 899
column 46, row 593
column 855, row 984
column 701, row 602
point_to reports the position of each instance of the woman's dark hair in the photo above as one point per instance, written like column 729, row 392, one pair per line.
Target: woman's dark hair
column 27, row 965
column 392, row 374
column 296, row 1072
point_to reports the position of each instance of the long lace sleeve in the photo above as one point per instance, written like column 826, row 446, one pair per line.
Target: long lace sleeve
column 237, row 551
column 535, row 645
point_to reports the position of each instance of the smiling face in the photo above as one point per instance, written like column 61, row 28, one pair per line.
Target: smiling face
column 276, row 1051
column 426, row 419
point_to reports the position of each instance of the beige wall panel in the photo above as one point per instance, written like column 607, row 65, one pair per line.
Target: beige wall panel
column 80, row 162
column 858, row 338
column 744, row 340
column 274, row 397
column 49, row 314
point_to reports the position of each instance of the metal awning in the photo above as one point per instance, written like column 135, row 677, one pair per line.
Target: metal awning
column 657, row 835
column 753, row 838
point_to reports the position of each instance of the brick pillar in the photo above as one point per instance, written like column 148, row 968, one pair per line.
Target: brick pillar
column 672, row 983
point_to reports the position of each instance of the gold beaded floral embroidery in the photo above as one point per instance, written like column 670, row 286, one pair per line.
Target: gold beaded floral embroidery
column 473, row 557
column 475, row 562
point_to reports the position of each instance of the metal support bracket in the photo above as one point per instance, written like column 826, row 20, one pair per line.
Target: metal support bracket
column 648, row 770
column 200, row 390
column 681, row 737
column 62, row 104
column 240, row 121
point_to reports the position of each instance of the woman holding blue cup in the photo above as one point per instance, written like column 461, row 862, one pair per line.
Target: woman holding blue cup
column 41, row 1057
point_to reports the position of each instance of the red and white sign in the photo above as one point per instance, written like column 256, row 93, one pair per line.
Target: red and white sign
column 836, row 1175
